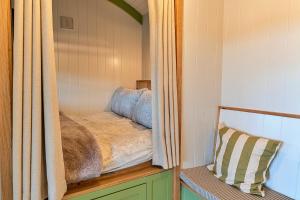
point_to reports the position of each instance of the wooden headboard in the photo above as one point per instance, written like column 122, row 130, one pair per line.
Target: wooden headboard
column 140, row 84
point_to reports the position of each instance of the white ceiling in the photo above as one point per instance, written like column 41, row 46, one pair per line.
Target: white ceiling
column 139, row 5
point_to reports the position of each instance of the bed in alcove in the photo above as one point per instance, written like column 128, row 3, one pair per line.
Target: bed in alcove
column 102, row 48
column 112, row 155
column 72, row 58
column 101, row 142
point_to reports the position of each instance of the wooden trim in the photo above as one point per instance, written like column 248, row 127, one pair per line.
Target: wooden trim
column 179, row 63
column 176, row 183
column 216, row 133
column 140, row 84
column 5, row 101
column 288, row 115
column 179, row 35
column 112, row 179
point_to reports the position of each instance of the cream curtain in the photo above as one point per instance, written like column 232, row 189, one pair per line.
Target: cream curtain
column 164, row 85
column 38, row 168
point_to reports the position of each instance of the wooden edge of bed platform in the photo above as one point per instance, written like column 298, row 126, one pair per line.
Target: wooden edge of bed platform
column 112, row 179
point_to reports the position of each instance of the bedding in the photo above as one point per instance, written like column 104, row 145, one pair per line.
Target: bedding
column 124, row 100
column 122, row 142
column 81, row 161
column 142, row 112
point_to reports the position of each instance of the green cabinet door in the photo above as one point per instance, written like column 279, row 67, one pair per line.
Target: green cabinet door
column 134, row 193
column 186, row 194
column 154, row 187
column 162, row 186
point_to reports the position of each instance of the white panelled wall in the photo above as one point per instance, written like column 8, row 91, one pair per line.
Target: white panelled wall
column 146, row 68
column 261, row 55
column 101, row 53
column 202, row 58
column 258, row 55
column 261, row 70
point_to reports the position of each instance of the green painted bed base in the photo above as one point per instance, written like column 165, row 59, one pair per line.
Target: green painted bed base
column 187, row 194
column 154, row 187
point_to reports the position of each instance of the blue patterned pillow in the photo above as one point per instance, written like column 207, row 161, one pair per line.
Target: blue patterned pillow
column 142, row 112
column 124, row 100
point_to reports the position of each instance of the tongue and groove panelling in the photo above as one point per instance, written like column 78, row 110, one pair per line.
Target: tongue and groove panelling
column 102, row 52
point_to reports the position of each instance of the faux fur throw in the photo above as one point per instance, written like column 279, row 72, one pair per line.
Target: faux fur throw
column 82, row 155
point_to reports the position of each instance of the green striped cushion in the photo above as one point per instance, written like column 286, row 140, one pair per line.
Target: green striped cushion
column 242, row 160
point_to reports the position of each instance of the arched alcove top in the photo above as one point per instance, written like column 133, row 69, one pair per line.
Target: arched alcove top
column 128, row 9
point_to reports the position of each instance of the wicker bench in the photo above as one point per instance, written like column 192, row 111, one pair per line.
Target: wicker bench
column 203, row 182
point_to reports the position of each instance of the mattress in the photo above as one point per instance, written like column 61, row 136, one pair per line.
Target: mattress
column 122, row 142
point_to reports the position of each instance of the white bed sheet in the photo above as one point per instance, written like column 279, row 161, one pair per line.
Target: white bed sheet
column 123, row 143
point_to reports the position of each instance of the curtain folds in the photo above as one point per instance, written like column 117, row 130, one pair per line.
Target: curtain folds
column 38, row 168
column 164, row 84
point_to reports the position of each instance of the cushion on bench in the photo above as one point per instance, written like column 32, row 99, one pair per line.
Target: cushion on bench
column 202, row 181
column 243, row 160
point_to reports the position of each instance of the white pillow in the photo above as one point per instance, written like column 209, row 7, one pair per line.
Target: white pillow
column 124, row 100
column 142, row 112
